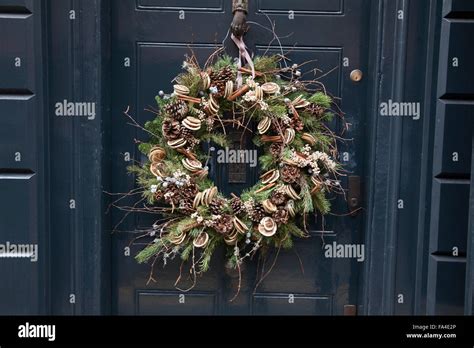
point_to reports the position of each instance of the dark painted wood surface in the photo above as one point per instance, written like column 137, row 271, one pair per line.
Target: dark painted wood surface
column 155, row 39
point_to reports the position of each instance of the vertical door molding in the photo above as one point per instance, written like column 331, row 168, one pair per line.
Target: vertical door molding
column 79, row 63
column 469, row 300
column 383, row 171
column 395, row 148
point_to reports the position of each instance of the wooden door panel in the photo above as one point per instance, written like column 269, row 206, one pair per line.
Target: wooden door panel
column 16, row 133
column 301, row 6
column 175, row 303
column 442, row 299
column 321, row 61
column 291, row 304
column 186, row 5
column 157, row 66
column 455, row 122
column 16, row 65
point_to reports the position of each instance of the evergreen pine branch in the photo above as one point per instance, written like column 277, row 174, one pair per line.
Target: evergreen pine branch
column 217, row 138
column 278, row 110
column 222, row 62
column 321, row 99
column 145, row 148
column 266, row 161
column 207, row 255
column 306, row 202
column 321, row 203
column 149, row 251
column 183, row 225
column 266, row 63
column 291, row 229
column 186, row 252
column 287, row 243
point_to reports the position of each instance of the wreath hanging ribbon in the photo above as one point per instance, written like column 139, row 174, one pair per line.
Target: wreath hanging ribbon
column 299, row 166
column 243, row 55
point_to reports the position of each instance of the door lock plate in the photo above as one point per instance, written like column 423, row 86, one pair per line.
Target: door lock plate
column 354, row 194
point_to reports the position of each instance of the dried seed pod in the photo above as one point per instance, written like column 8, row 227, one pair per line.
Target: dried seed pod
column 192, row 165
column 178, row 239
column 181, row 90
column 270, row 176
column 290, row 192
column 212, row 106
column 290, row 207
column 229, row 89
column 300, row 102
column 201, row 240
column 318, row 185
column 289, row 135
column 264, row 125
column 177, row 143
column 259, row 92
column 157, row 154
column 192, row 123
column 231, row 238
column 270, row 88
column 208, row 195
column 156, row 170
column 197, row 200
column 240, row 226
column 308, row 138
column 271, row 138
column 206, row 80
column 269, row 207
column 267, row 227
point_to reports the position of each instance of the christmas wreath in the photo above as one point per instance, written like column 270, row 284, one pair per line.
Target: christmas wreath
column 299, row 170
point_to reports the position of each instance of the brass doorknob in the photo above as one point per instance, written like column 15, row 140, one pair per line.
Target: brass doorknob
column 356, row 75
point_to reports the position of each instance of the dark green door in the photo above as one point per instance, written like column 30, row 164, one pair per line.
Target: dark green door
column 150, row 39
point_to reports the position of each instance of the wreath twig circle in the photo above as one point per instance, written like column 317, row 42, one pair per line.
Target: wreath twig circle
column 299, row 162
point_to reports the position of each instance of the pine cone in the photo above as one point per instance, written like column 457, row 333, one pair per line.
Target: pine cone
column 290, row 174
column 172, row 195
column 278, row 198
column 171, row 129
column 189, row 192
column 237, row 205
column 158, row 195
column 177, row 110
column 256, row 213
column 187, row 133
column 220, row 78
column 192, row 142
column 316, row 110
column 276, row 149
column 216, row 206
column 281, row 216
column 175, row 195
column 186, row 207
column 297, row 124
column 224, row 225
